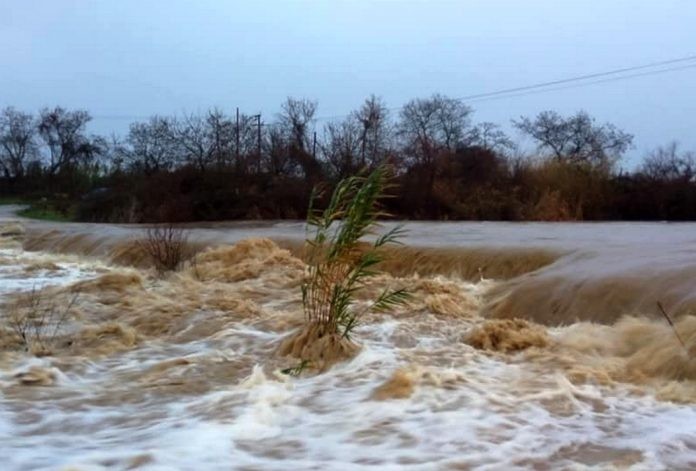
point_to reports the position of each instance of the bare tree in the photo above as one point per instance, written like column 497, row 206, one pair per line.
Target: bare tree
column 114, row 156
column 577, row 138
column 221, row 134
column 17, row 142
column 278, row 160
column 63, row 134
column 247, row 136
column 668, row 163
column 295, row 122
column 375, row 131
column 361, row 141
column 191, row 134
column 343, row 146
column 151, row 146
column 295, row 119
column 489, row 136
column 430, row 127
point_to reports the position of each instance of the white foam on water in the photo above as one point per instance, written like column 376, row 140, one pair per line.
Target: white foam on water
column 329, row 421
column 14, row 278
column 468, row 410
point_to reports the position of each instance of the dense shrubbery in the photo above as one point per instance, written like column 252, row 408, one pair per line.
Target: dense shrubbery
column 214, row 166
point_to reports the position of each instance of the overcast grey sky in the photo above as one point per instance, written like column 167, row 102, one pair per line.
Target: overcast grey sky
column 127, row 59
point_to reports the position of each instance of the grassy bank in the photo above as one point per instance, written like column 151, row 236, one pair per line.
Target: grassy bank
column 46, row 213
column 41, row 209
column 5, row 200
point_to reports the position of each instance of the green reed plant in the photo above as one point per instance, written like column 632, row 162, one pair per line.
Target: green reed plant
column 339, row 264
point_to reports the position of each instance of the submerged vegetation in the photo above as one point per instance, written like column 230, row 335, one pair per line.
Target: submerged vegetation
column 673, row 327
column 37, row 321
column 166, row 247
column 339, row 265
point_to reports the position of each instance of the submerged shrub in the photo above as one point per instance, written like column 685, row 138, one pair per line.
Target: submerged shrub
column 37, row 321
column 166, row 246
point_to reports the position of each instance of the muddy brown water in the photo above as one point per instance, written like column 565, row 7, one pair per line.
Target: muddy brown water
column 555, row 273
column 184, row 372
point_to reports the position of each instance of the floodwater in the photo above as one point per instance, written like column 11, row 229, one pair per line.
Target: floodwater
column 524, row 346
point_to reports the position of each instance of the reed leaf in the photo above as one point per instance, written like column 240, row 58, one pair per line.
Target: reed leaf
column 337, row 265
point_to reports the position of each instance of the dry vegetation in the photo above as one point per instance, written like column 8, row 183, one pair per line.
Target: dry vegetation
column 166, row 246
column 37, row 321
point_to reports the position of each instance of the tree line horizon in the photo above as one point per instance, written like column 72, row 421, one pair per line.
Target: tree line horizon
column 215, row 166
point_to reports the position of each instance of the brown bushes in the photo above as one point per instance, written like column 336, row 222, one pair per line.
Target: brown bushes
column 166, row 246
column 37, row 322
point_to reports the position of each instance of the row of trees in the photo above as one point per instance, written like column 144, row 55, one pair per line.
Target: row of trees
column 52, row 143
column 215, row 165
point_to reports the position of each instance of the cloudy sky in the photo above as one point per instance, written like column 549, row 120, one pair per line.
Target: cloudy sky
column 125, row 60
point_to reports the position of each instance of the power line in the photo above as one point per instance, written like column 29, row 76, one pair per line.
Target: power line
column 594, row 82
column 541, row 87
column 580, row 78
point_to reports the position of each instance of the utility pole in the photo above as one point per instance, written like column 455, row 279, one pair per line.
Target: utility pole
column 237, row 135
column 314, row 146
column 258, row 141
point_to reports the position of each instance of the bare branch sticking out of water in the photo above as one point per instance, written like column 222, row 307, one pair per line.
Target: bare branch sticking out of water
column 166, row 246
column 37, row 321
column 671, row 324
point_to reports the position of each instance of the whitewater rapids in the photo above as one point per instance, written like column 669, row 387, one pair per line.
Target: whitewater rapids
column 183, row 373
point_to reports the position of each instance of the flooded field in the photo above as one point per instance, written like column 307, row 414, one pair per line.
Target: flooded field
column 524, row 346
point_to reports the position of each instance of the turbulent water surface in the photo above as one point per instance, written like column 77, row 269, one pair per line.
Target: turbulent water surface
column 524, row 346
